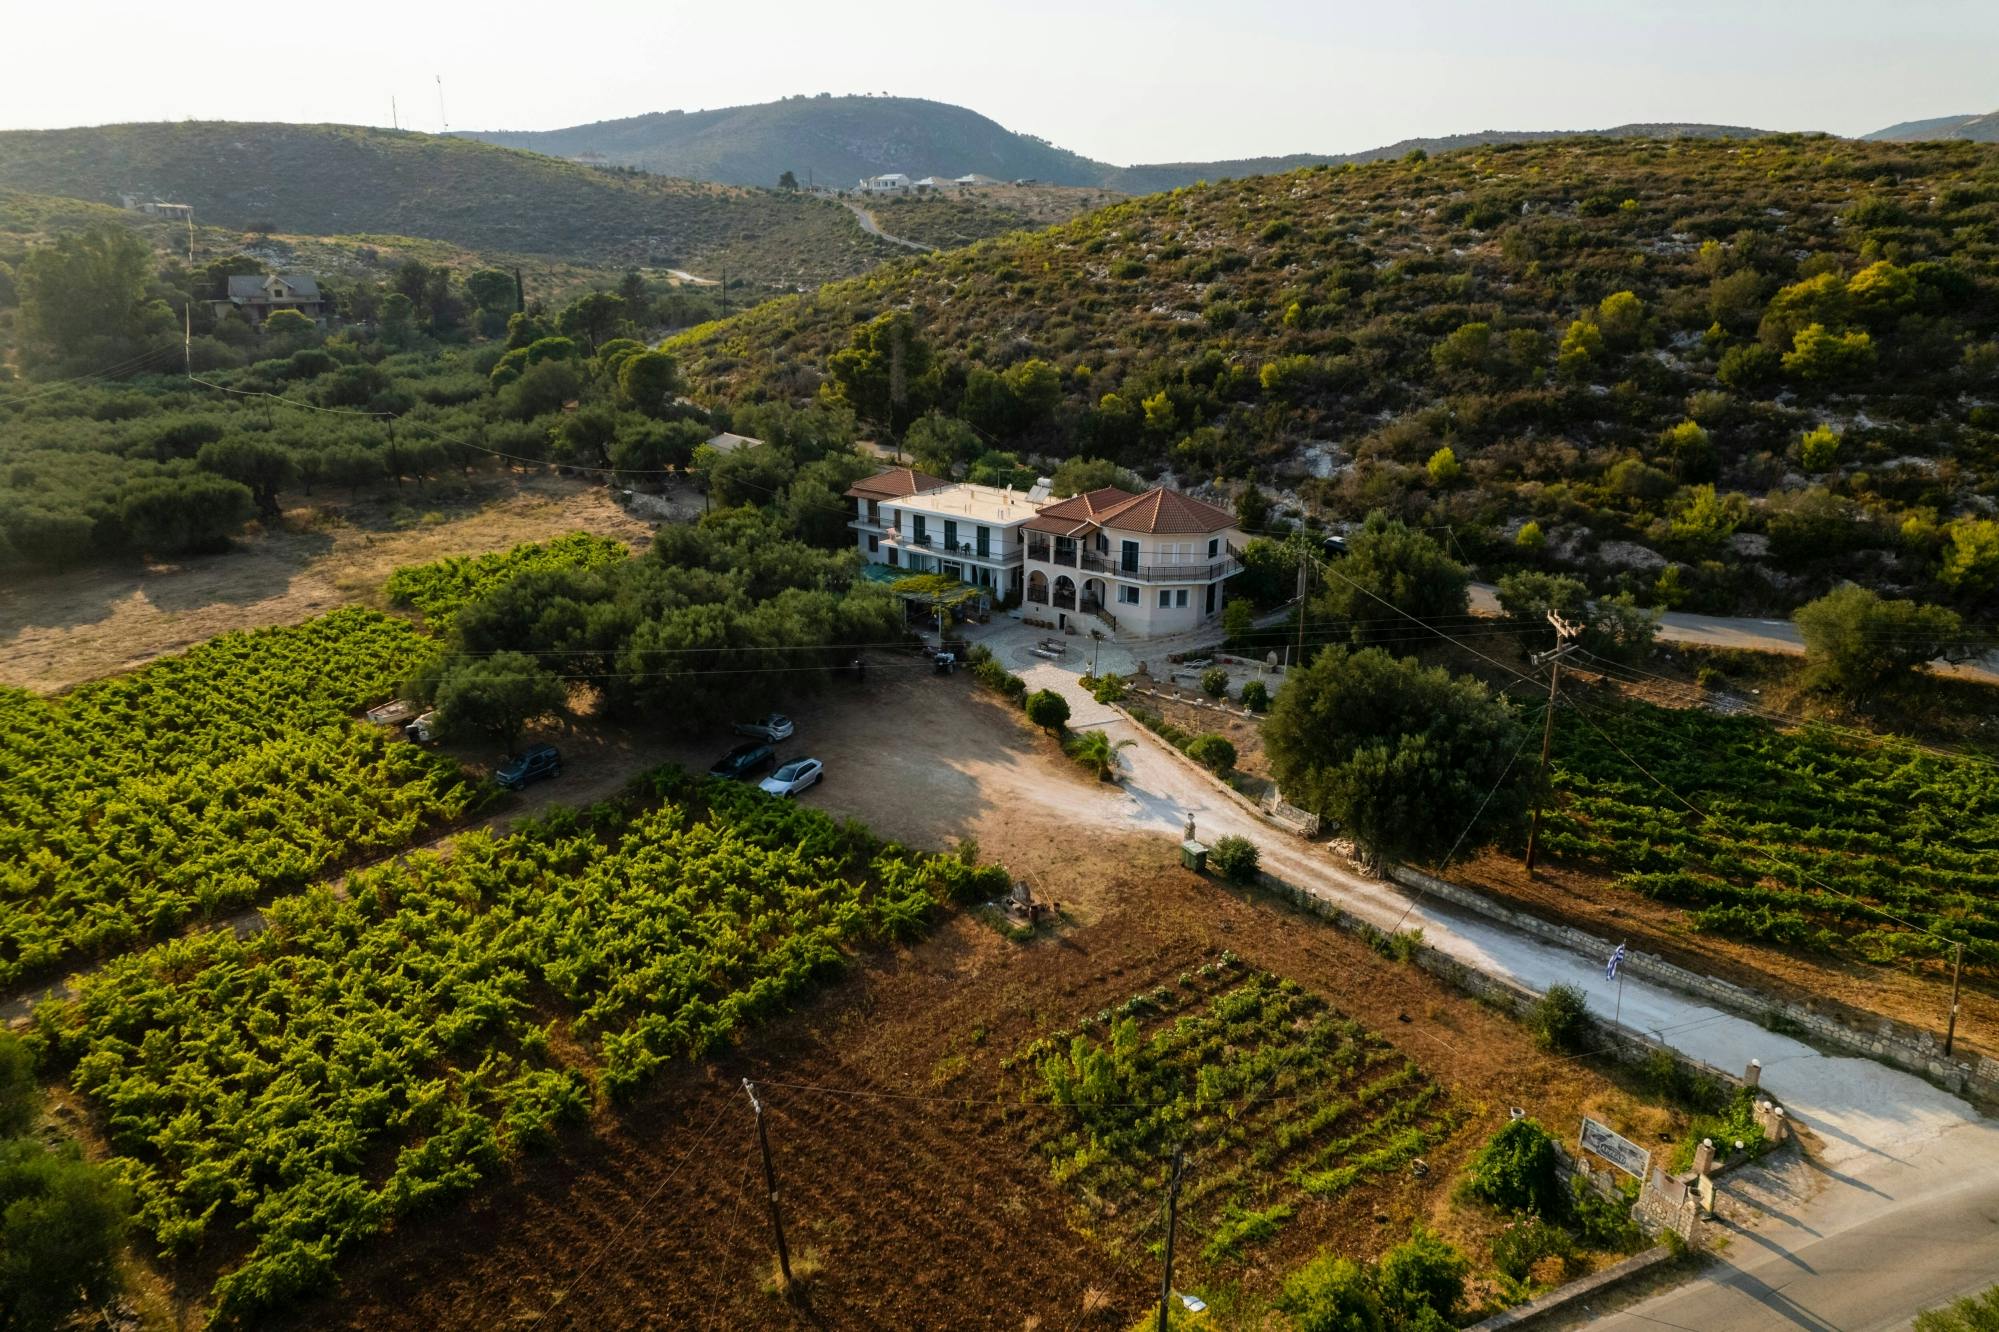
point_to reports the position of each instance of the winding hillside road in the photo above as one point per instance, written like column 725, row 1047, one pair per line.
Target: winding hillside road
column 873, row 228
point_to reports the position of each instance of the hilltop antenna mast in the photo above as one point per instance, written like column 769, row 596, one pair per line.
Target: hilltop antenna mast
column 445, row 124
column 395, row 121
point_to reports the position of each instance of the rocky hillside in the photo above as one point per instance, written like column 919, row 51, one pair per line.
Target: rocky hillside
column 348, row 180
column 1716, row 373
column 1978, row 129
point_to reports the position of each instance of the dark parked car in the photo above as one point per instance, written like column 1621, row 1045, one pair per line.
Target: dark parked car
column 537, row 762
column 744, row 762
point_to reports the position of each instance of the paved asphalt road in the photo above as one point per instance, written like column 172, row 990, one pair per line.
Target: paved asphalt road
column 1903, row 1211
column 1725, row 631
column 1895, row 1233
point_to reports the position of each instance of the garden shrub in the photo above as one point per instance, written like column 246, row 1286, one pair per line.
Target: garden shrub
column 1515, row 1171
column 1561, row 1020
column 1215, row 682
column 1255, row 696
column 1235, row 858
column 1214, row 752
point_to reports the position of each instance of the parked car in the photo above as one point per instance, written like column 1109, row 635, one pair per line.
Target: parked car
column 743, row 762
column 769, row 728
column 424, row 729
column 794, row 777
column 1333, row 546
column 531, row 765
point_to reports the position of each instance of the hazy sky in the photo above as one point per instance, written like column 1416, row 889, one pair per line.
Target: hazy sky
column 1125, row 82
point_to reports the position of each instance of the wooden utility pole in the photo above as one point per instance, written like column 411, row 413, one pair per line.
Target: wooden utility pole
column 1172, row 1221
column 1304, row 577
column 1564, row 631
column 1956, row 975
column 770, row 1187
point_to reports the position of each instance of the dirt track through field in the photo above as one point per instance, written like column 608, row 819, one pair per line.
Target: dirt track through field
column 62, row 629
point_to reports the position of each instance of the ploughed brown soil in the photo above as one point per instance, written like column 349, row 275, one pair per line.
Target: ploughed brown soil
column 897, row 1139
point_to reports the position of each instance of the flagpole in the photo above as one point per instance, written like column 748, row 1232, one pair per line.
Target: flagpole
column 1618, row 1019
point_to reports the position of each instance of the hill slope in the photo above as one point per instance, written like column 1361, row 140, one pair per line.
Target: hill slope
column 343, row 179
column 831, row 140
column 1152, row 178
column 1336, row 327
column 1978, row 129
column 834, row 141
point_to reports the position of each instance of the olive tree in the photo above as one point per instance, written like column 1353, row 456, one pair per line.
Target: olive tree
column 1407, row 758
column 499, row 694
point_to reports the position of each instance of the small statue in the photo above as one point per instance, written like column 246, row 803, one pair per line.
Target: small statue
column 1190, row 828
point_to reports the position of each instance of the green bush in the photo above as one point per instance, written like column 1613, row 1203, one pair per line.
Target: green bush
column 1526, row 1242
column 1047, row 709
column 1331, row 1294
column 1515, row 1171
column 1421, row 1281
column 20, row 1098
column 61, row 1222
column 1235, row 858
column 1255, row 696
column 1214, row 682
column 1973, row 1313
column 1561, row 1020
column 1214, row 752
column 1108, row 688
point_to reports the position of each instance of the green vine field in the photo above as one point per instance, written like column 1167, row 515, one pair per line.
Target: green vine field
column 439, row 589
column 361, row 1060
column 204, row 782
column 1281, row 1100
column 1878, row 850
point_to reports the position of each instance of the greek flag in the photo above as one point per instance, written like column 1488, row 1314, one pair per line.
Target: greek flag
column 1610, row 967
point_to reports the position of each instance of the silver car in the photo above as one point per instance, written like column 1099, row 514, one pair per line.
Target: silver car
column 794, row 777
column 770, row 728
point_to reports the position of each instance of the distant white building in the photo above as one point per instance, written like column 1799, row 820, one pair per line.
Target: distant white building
column 974, row 178
column 157, row 207
column 893, row 182
column 936, row 183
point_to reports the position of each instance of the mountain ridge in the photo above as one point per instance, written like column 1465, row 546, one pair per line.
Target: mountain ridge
column 835, row 141
column 354, row 180
column 1982, row 127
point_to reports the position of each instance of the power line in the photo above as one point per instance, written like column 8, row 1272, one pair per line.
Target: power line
column 632, row 1220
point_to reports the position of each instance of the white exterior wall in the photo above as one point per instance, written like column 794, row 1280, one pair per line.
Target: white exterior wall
column 1000, row 566
column 1145, row 618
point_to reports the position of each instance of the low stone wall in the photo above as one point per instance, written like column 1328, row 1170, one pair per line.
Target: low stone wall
column 1838, row 1026
column 1593, row 1284
column 1625, row 1043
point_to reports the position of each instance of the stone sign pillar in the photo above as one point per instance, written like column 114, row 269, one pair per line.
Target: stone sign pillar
column 1753, row 1075
column 1704, row 1157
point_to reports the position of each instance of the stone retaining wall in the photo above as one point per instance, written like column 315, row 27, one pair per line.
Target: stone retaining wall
column 1824, row 1022
column 1594, row 1284
column 1625, row 1043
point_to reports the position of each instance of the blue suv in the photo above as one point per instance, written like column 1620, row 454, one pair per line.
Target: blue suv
column 537, row 762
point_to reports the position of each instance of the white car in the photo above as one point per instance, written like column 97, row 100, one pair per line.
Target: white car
column 769, row 729
column 424, row 729
column 794, row 777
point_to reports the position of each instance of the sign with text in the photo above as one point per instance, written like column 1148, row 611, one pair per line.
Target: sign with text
column 1613, row 1147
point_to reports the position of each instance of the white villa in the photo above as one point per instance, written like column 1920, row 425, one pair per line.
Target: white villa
column 1144, row 565
column 893, row 182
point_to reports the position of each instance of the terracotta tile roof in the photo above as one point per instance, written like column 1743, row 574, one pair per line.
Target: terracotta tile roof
column 895, row 483
column 1070, row 516
column 1163, row 510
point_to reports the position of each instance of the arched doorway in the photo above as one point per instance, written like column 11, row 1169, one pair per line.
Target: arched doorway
column 1065, row 592
column 1093, row 594
column 1037, row 588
